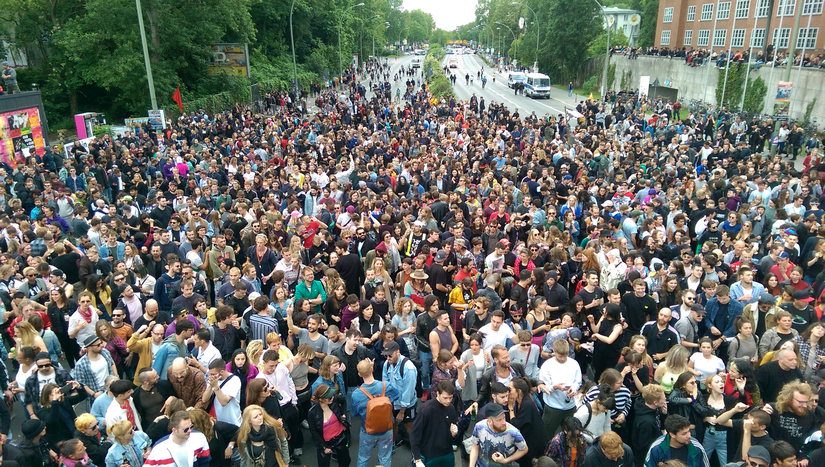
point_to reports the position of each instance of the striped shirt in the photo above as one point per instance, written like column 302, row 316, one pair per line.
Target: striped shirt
column 261, row 325
column 622, row 398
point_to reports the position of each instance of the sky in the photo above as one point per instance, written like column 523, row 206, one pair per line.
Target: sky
column 448, row 14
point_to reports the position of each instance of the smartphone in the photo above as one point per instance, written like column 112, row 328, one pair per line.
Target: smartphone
column 66, row 389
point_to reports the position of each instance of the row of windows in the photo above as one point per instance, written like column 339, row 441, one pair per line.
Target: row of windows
column 743, row 7
column 781, row 38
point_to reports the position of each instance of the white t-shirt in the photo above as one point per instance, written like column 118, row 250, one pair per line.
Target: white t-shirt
column 100, row 368
column 231, row 412
column 74, row 323
column 706, row 366
column 499, row 337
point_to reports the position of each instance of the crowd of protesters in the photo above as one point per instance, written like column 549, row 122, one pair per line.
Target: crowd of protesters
column 625, row 288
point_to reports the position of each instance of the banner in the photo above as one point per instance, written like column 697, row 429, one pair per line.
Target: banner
column 644, row 85
column 782, row 103
column 157, row 119
column 21, row 135
column 229, row 59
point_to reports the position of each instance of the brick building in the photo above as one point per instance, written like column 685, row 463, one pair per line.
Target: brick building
column 738, row 24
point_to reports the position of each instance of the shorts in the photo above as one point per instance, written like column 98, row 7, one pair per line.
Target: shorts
column 409, row 413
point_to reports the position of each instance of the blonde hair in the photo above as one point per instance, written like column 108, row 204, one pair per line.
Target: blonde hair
column 273, row 337
column 84, row 421
column 246, row 425
column 783, row 400
column 254, row 350
column 677, row 358
column 26, row 333
column 119, row 430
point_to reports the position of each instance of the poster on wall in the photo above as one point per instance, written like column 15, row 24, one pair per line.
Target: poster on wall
column 782, row 102
column 229, row 59
column 644, row 85
column 21, row 135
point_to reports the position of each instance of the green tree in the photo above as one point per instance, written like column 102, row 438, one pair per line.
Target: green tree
column 647, row 29
column 570, row 25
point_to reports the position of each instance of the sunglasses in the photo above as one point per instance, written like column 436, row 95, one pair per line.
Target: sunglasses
column 46, row 365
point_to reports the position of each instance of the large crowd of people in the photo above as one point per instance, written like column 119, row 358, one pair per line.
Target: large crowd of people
column 639, row 286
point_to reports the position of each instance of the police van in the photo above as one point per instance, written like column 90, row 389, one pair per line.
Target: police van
column 537, row 85
column 515, row 77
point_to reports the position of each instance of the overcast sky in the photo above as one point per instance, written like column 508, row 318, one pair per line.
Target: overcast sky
column 448, row 14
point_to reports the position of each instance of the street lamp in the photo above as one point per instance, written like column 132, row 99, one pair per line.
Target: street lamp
column 294, row 62
column 607, row 52
column 386, row 26
column 509, row 29
column 146, row 61
column 340, row 27
column 538, row 30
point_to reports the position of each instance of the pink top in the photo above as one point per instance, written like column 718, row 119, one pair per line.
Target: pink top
column 333, row 428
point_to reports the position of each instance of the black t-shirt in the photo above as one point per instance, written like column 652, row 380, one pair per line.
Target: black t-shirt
column 637, row 311
column 679, row 454
column 68, row 264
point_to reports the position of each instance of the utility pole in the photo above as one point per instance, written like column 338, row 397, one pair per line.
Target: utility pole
column 730, row 47
column 146, row 61
column 607, row 52
column 294, row 61
column 794, row 37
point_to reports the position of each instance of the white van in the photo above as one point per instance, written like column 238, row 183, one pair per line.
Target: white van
column 416, row 62
column 537, row 85
column 515, row 77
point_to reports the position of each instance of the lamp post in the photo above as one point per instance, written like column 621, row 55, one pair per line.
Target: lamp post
column 386, row 26
column 538, row 30
column 146, row 61
column 606, row 53
column 509, row 29
column 340, row 27
column 294, row 61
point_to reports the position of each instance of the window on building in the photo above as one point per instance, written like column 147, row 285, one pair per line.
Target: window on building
column 763, row 7
column 758, row 37
column 785, row 7
column 703, row 38
column 720, row 37
column 781, row 37
column 707, row 12
column 668, row 16
column 688, row 37
column 742, row 8
column 737, row 38
column 807, row 38
column 691, row 13
column 812, row 7
column 665, row 39
column 723, row 10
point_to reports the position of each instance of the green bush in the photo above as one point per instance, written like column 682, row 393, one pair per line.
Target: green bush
column 591, row 84
column 755, row 96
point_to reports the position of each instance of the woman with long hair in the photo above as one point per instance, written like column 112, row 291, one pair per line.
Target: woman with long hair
column 261, row 439
column 812, row 349
column 330, row 427
column 58, row 307
column 114, row 344
column 675, row 363
column 26, row 336
column 100, row 292
column 219, row 435
column 717, row 403
column 129, row 446
column 254, row 352
column 638, row 344
column 740, row 382
column 744, row 344
column 57, row 413
column 404, row 321
column 336, row 302
column 301, row 371
column 330, row 374
column 241, row 367
column 606, row 332
column 686, row 400
column 259, row 392
column 567, row 446
column 526, row 416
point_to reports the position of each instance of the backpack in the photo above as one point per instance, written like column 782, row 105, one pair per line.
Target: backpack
column 419, row 386
column 379, row 418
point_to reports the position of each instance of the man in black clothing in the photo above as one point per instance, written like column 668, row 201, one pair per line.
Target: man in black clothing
column 638, row 307
column 350, row 268
column 793, row 417
column 434, row 429
column 227, row 334
column 162, row 213
column 660, row 335
column 151, row 395
column 440, row 279
column 772, row 376
column 556, row 295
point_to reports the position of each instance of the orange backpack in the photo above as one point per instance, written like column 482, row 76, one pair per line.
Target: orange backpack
column 379, row 412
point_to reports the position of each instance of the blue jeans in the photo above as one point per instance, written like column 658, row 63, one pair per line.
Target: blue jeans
column 426, row 360
column 368, row 442
column 716, row 440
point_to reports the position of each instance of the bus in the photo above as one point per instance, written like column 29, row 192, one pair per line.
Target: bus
column 537, row 85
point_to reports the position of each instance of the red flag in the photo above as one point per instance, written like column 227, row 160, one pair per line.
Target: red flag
column 177, row 98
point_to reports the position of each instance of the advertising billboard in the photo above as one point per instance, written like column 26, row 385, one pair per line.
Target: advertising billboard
column 21, row 133
column 782, row 103
column 229, row 59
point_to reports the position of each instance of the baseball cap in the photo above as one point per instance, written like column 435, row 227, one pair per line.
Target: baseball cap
column 767, row 299
column 784, row 255
column 493, row 410
column 390, row 348
column 803, row 296
column 759, row 452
